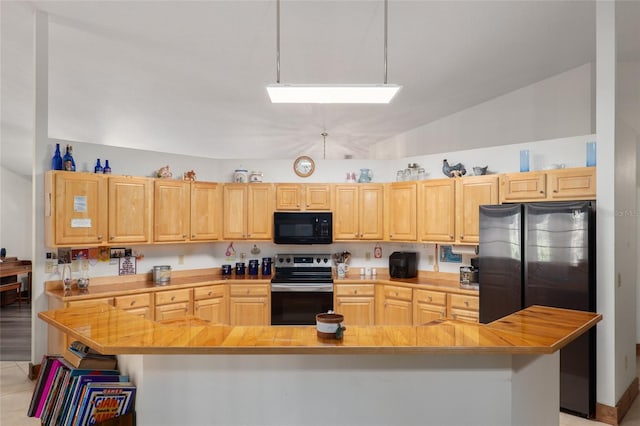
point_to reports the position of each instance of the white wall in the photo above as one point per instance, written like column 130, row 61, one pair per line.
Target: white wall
column 557, row 107
column 15, row 228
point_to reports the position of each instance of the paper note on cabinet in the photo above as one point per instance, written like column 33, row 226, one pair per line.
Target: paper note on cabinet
column 81, row 223
column 80, row 203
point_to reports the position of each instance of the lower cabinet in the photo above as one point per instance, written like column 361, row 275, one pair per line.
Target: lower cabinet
column 394, row 305
column 428, row 306
column 137, row 304
column 172, row 304
column 210, row 303
column 249, row 304
column 356, row 303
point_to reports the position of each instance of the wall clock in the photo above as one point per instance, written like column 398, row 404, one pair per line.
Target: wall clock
column 304, row 166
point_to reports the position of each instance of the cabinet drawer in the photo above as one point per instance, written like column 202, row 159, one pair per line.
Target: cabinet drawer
column 462, row 301
column 208, row 292
column 76, row 303
column 174, row 296
column 463, row 315
column 430, row 297
column 400, row 293
column 248, row 290
column 355, row 290
column 133, row 301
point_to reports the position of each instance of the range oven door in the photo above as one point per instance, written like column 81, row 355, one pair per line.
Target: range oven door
column 291, row 305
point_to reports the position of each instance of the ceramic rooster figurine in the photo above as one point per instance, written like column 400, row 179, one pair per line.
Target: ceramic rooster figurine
column 456, row 170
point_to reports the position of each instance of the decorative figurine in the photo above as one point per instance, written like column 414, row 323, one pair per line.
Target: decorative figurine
column 480, row 171
column 190, row 175
column 453, row 171
column 164, row 173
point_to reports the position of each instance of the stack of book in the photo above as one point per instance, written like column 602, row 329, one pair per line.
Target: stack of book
column 77, row 395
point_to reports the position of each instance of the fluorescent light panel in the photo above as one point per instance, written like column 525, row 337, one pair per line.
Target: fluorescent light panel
column 332, row 94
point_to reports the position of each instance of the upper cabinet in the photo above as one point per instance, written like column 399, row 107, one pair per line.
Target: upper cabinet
column 75, row 209
column 171, row 210
column 206, row 211
column 358, row 212
column 401, row 220
column 312, row 196
column 551, row 185
column 130, row 207
column 248, row 211
column 471, row 193
column 436, row 205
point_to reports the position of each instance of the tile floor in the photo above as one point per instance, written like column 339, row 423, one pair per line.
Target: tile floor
column 16, row 388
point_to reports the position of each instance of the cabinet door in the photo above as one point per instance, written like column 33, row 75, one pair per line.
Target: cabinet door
column 463, row 307
column 212, row 310
column 249, row 311
column 80, row 208
column 572, row 184
column 346, row 213
column 356, row 310
column 172, row 311
column 515, row 187
column 471, row 193
column 136, row 304
column 402, row 203
column 171, row 210
column 436, row 205
column 234, row 204
column 371, row 208
column 206, row 207
column 425, row 313
column 317, row 197
column 259, row 211
column 288, row 197
column 143, row 312
column 130, row 200
column 394, row 305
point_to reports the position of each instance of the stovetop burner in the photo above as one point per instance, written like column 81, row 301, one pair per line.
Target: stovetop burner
column 303, row 268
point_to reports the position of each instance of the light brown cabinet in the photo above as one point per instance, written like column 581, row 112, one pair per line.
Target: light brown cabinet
column 75, row 209
column 173, row 304
column 436, row 204
column 358, row 212
column 171, row 210
column 206, row 211
column 210, row 303
column 136, row 304
column 249, row 304
column 471, row 193
column 299, row 197
column 130, row 207
column 394, row 305
column 401, row 203
column 551, row 185
column 463, row 307
column 428, row 305
column 356, row 302
column 248, row 211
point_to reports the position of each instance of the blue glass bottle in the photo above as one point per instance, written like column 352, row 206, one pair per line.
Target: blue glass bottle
column 107, row 168
column 56, row 160
column 68, row 163
column 98, row 168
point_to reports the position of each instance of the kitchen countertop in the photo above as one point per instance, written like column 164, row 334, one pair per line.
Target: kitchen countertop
column 142, row 283
column 534, row 330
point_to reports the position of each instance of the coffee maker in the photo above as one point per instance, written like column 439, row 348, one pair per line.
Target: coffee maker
column 469, row 275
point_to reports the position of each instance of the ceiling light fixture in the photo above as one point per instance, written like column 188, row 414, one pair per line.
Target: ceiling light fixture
column 331, row 93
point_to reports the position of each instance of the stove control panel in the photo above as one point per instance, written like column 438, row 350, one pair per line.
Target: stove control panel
column 298, row 260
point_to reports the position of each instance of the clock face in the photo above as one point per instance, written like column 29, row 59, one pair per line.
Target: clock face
column 303, row 166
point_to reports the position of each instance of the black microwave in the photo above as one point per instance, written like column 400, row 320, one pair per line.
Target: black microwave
column 302, row 228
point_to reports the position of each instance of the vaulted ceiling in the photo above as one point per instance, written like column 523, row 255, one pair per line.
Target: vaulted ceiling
column 190, row 77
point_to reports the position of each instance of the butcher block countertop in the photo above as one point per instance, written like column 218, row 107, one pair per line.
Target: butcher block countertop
column 142, row 283
column 534, row 330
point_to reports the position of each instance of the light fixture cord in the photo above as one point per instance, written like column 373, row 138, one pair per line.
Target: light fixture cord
column 324, row 138
column 278, row 41
column 386, row 9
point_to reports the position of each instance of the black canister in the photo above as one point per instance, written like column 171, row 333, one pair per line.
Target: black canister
column 253, row 267
column 266, row 266
column 226, row 270
column 240, row 268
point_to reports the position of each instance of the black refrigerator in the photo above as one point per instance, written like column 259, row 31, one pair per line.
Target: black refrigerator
column 544, row 254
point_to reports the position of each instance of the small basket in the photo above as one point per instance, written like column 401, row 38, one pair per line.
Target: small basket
column 329, row 326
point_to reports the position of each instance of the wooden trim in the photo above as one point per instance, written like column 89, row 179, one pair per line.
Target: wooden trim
column 614, row 415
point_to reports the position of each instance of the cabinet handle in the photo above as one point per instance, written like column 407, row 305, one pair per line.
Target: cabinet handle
column 355, row 292
column 466, row 303
column 451, row 237
column 184, row 235
column 111, row 237
column 173, row 298
column 555, row 190
column 209, row 294
column 430, row 298
column 355, row 235
column 462, row 237
column 133, row 302
column 99, row 237
column 193, row 235
column 541, row 191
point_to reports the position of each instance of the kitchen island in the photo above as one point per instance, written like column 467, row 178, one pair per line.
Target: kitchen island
column 446, row 372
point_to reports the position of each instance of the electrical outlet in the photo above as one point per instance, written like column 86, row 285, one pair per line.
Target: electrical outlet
column 430, row 259
column 181, row 259
column 51, row 266
column 619, row 279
